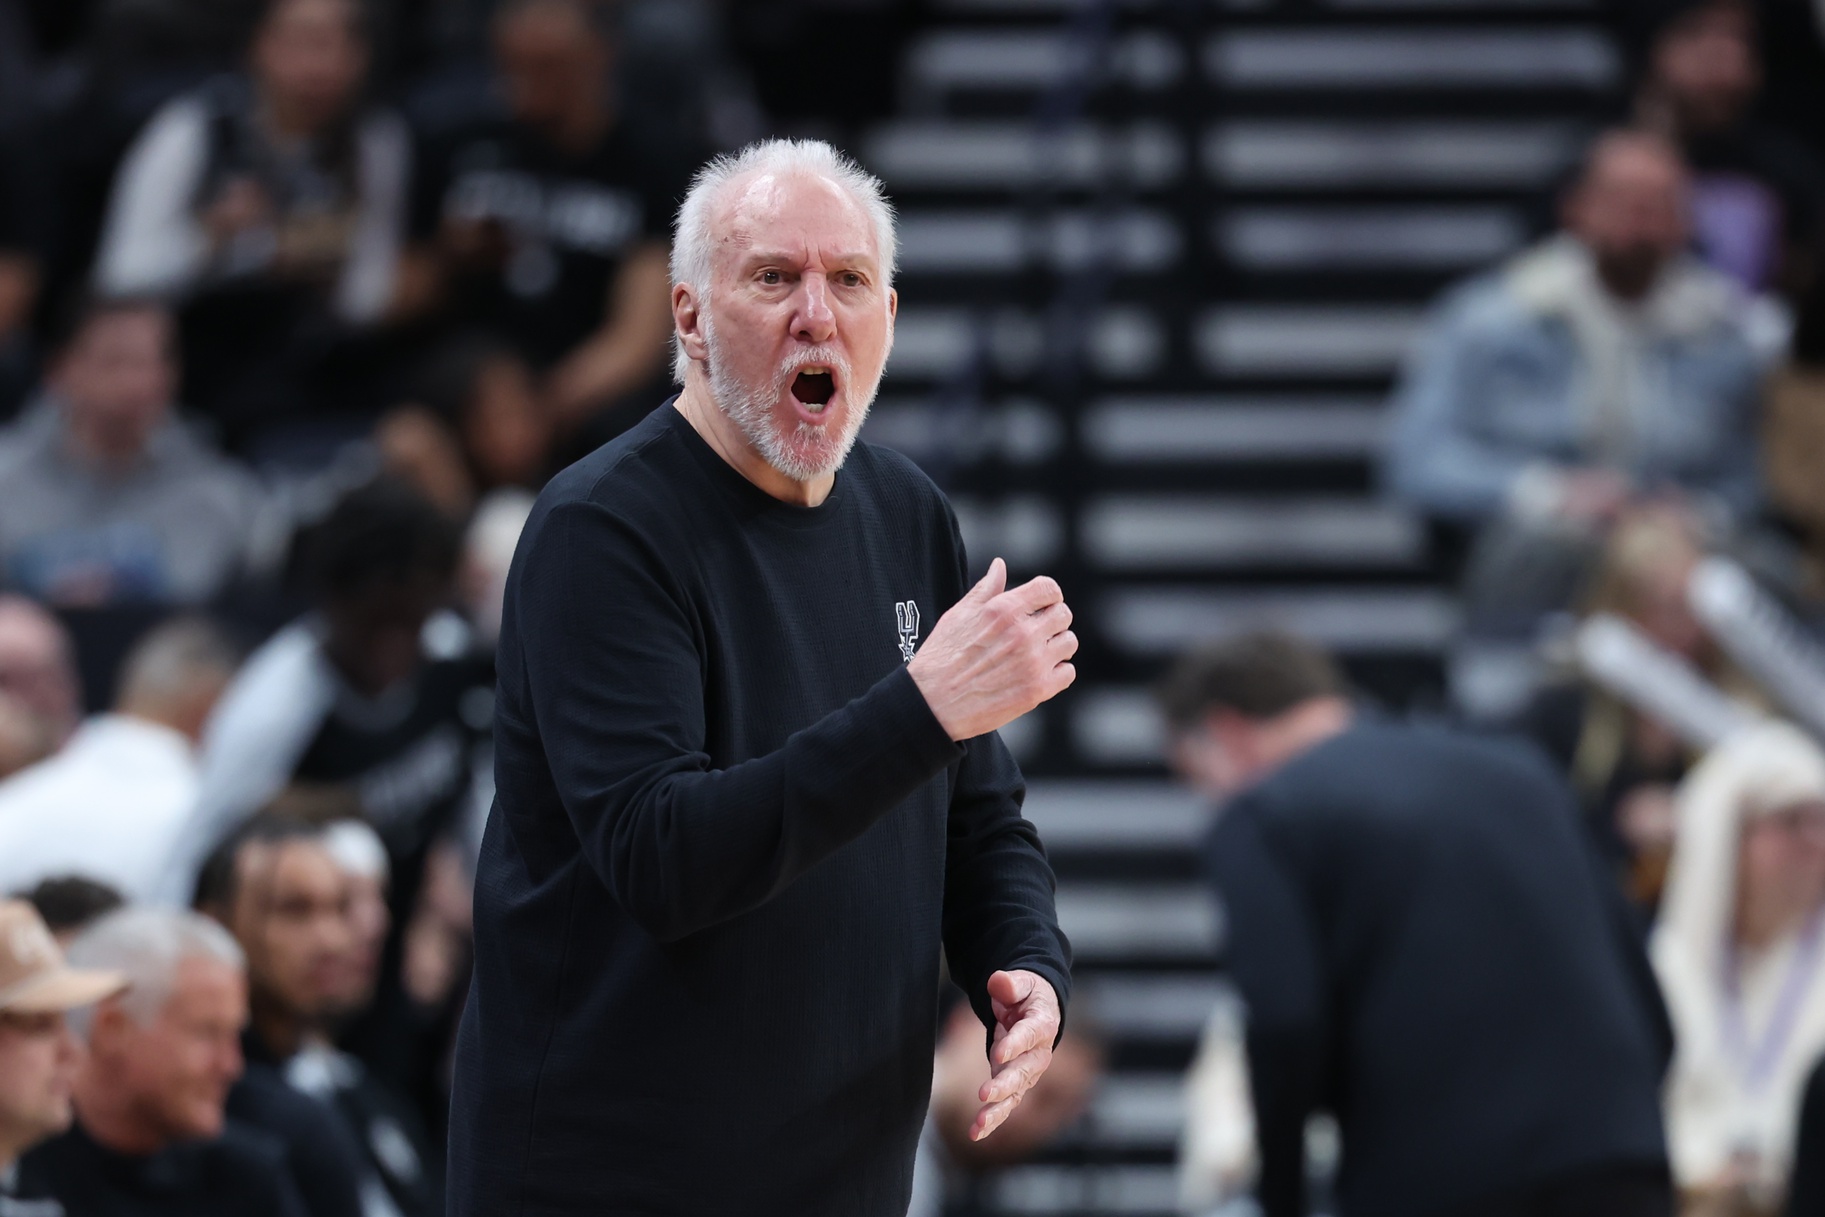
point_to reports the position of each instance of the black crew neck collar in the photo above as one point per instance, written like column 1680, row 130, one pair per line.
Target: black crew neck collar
column 746, row 494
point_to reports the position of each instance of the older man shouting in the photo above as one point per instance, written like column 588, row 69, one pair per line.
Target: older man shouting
column 748, row 782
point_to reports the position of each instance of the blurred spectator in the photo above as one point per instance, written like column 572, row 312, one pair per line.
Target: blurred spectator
column 69, row 904
column 286, row 897
column 38, row 1054
column 346, row 713
column 1426, row 946
column 1598, row 365
column 370, row 709
column 150, row 1136
column 551, row 226
column 1806, row 1192
column 1758, row 196
column 110, row 804
column 480, row 428
column 37, row 668
column 488, row 548
column 950, row 1169
column 105, row 495
column 1625, row 764
column 273, row 205
column 361, row 854
column 1738, row 950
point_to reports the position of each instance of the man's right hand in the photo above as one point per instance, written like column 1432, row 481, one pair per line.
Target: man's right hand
column 996, row 654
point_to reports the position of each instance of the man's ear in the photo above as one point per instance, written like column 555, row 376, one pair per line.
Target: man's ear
column 687, row 318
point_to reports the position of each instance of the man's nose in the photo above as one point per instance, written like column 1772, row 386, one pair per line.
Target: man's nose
column 814, row 321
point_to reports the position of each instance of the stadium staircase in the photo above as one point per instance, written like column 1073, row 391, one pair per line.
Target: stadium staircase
column 1160, row 259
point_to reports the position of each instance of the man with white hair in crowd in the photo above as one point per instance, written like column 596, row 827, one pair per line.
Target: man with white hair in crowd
column 110, row 805
column 150, row 1138
column 282, row 889
column 748, row 781
column 38, row 1053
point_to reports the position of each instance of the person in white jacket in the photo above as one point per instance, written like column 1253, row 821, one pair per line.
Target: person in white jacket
column 271, row 204
column 1740, row 952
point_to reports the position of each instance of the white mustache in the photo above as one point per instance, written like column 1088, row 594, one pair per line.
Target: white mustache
column 826, row 356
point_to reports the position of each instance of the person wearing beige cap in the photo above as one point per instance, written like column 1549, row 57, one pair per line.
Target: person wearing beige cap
column 38, row 1052
column 150, row 1137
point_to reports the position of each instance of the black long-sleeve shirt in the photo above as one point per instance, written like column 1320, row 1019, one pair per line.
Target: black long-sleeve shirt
column 242, row 1173
column 1430, row 948
column 728, row 842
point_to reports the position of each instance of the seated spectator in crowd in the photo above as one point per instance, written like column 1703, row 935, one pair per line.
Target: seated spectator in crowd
column 361, row 854
column 286, row 897
column 1427, row 947
column 1602, row 364
column 70, row 904
column 1738, row 953
column 105, row 495
column 273, row 205
column 38, row 669
column 110, row 804
column 950, row 1171
column 359, row 711
column 150, row 1136
column 1758, row 196
column 551, row 225
column 38, row 1053
column 478, row 428
column 1625, row 764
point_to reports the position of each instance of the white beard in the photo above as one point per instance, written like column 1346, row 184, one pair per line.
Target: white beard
column 808, row 452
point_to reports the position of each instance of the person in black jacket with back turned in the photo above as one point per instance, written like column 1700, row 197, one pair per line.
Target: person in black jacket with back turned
column 748, row 783
column 1428, row 947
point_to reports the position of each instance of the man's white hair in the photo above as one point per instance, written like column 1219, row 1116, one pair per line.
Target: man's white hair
column 692, row 241
column 147, row 945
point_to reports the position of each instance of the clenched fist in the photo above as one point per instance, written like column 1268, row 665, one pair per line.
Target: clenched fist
column 996, row 654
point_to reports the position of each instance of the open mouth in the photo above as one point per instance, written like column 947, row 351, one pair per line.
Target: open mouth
column 814, row 387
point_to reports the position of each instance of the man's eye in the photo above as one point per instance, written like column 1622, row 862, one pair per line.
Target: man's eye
column 769, row 276
column 852, row 280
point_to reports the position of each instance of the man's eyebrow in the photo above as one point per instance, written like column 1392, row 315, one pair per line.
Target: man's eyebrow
column 755, row 256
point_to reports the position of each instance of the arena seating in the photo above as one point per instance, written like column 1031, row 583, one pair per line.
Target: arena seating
column 1155, row 367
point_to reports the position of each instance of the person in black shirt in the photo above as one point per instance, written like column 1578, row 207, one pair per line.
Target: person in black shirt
column 748, row 785
column 151, row 1138
column 1428, row 948
column 271, row 205
column 1758, row 194
column 279, row 890
column 39, row 1056
column 549, row 224
column 374, row 707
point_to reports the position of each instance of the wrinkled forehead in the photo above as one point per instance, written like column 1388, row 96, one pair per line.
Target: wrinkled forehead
column 794, row 213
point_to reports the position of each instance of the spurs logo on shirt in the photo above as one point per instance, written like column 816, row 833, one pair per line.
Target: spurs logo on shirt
column 906, row 614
